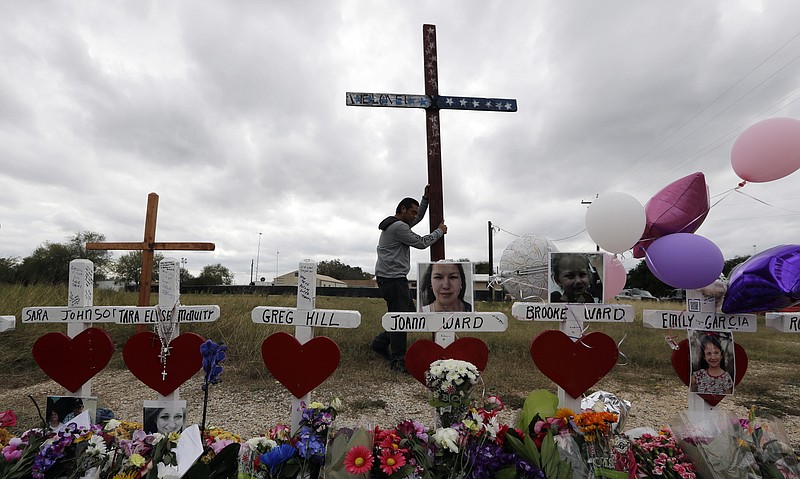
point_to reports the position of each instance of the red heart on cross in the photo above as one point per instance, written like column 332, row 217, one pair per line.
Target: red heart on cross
column 142, row 356
column 300, row 367
column 681, row 363
column 424, row 351
column 71, row 362
column 575, row 366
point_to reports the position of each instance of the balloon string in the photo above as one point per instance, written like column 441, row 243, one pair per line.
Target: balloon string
column 621, row 354
column 579, row 339
column 670, row 339
column 765, row 203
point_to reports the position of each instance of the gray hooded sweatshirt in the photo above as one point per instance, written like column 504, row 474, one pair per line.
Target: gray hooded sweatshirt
column 394, row 255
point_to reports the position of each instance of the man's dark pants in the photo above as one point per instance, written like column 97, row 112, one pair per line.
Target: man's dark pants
column 398, row 300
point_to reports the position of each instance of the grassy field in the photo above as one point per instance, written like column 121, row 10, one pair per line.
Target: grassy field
column 510, row 373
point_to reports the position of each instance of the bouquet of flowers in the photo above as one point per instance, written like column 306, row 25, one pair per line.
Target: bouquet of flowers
column 567, row 444
column 473, row 448
column 608, row 454
column 87, row 452
column 451, row 382
column 660, row 456
column 281, row 454
column 767, row 440
column 712, row 441
column 396, row 452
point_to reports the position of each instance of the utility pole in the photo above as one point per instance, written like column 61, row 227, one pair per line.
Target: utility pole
column 584, row 202
column 491, row 258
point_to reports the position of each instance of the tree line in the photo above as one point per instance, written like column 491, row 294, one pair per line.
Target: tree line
column 49, row 264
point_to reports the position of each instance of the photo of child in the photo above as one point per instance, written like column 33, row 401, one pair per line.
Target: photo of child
column 713, row 364
column 576, row 277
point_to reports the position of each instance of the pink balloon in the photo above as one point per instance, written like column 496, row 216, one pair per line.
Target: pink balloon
column 614, row 277
column 680, row 207
column 768, row 150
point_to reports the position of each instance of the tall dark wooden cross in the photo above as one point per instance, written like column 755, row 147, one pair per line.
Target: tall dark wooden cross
column 148, row 247
column 432, row 102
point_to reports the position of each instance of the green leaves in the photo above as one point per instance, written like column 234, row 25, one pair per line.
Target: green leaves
column 539, row 402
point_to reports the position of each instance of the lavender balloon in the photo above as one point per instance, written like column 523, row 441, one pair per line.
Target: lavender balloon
column 768, row 281
column 685, row 260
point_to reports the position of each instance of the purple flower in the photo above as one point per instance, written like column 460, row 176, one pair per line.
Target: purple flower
column 213, row 357
column 486, row 459
column 52, row 450
column 309, row 445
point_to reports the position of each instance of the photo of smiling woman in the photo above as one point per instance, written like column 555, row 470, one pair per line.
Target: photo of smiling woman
column 446, row 286
column 713, row 364
column 164, row 417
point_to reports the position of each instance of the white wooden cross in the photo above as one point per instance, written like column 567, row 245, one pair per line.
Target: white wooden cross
column 79, row 313
column 783, row 322
column 700, row 314
column 7, row 323
column 304, row 319
column 571, row 317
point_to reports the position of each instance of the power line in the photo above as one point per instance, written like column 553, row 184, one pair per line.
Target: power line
column 632, row 169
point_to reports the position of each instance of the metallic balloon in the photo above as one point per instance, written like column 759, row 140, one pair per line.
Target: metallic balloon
column 767, row 281
column 680, row 207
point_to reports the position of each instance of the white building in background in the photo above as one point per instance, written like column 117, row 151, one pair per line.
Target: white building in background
column 290, row 279
column 110, row 285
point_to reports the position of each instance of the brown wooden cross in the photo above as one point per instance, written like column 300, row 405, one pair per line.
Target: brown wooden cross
column 147, row 247
column 432, row 102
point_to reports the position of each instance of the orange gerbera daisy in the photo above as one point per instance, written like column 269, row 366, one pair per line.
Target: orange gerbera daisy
column 358, row 460
column 391, row 461
column 564, row 413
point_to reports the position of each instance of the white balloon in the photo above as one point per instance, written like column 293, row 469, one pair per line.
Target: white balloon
column 615, row 221
column 524, row 268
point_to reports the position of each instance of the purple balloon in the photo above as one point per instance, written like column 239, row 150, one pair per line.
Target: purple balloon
column 680, row 207
column 685, row 260
column 767, row 281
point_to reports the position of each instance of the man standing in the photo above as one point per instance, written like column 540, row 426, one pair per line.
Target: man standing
column 392, row 267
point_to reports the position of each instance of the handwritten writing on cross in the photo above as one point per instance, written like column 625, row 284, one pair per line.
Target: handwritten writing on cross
column 80, row 313
column 148, row 246
column 80, row 294
column 700, row 314
column 571, row 318
column 432, row 102
column 445, row 325
column 304, row 319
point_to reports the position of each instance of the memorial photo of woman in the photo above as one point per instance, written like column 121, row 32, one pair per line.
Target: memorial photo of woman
column 166, row 419
column 445, row 287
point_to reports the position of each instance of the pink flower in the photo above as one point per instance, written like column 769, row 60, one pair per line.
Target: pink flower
column 493, row 403
column 358, row 460
column 218, row 446
column 8, row 418
column 14, row 450
column 280, row 432
column 391, row 461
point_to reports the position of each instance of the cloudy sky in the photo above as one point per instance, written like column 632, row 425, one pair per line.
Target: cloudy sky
column 234, row 113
